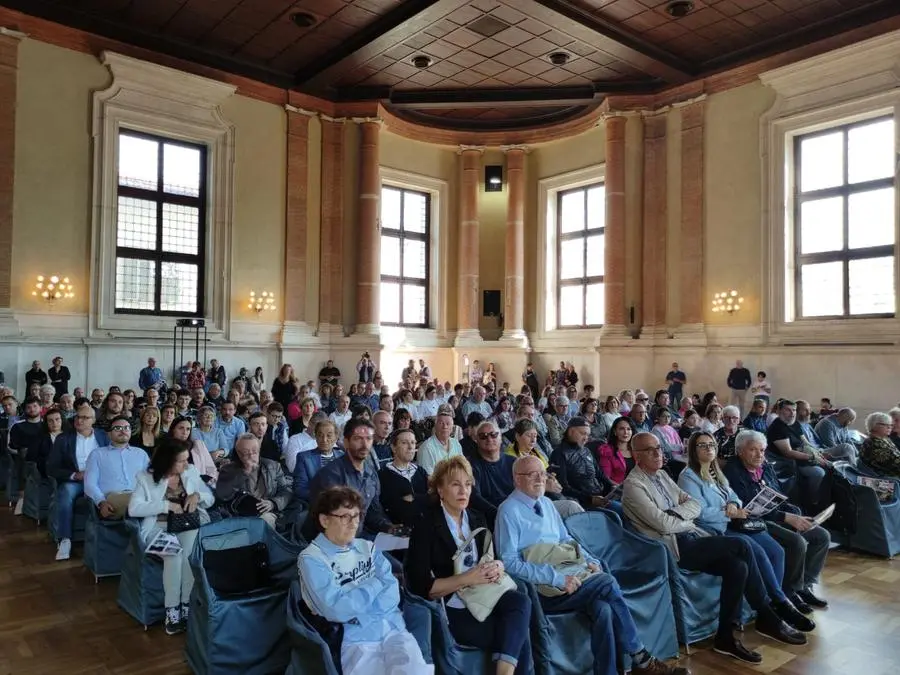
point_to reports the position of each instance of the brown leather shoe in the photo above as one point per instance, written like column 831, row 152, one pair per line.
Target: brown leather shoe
column 657, row 667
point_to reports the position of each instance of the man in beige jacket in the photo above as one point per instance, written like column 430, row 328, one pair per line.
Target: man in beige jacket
column 659, row 509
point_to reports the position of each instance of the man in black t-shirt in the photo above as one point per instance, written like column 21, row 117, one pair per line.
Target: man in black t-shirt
column 739, row 382
column 787, row 447
column 329, row 374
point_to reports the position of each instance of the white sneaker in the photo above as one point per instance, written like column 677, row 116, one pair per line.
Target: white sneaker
column 64, row 549
column 18, row 511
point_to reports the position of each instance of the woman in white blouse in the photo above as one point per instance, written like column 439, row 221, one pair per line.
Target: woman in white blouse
column 171, row 485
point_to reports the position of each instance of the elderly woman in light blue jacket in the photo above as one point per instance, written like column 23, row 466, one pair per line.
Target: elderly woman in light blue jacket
column 720, row 507
column 171, row 485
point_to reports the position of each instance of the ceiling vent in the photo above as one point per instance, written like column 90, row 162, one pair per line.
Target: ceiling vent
column 559, row 58
column 680, row 8
column 487, row 26
column 421, row 61
column 303, row 19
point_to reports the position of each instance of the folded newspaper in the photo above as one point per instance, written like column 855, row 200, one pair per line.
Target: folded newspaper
column 884, row 487
column 164, row 543
column 765, row 501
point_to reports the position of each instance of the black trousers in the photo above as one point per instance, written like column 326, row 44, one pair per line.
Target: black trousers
column 730, row 558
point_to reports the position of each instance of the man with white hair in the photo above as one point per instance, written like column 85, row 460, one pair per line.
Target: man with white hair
column 724, row 437
column 477, row 404
column 805, row 543
column 441, row 444
column 527, row 519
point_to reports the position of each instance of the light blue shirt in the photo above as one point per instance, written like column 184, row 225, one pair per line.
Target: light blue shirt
column 518, row 526
column 213, row 439
column 231, row 430
column 712, row 498
column 471, row 406
column 110, row 469
column 353, row 586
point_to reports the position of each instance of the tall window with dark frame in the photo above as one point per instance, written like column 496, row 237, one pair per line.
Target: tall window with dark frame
column 405, row 255
column 160, row 226
column 580, row 236
column 845, row 221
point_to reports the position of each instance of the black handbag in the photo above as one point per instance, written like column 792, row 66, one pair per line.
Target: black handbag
column 182, row 522
column 747, row 525
column 238, row 571
column 243, row 504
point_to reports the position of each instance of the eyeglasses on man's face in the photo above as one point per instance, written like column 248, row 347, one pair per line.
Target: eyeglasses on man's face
column 346, row 518
column 121, row 427
column 534, row 475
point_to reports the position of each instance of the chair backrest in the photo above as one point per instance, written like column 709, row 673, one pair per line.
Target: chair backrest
column 312, row 653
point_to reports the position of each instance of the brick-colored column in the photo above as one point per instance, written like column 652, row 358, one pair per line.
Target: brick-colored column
column 692, row 122
column 467, row 329
column 295, row 263
column 331, row 291
column 614, row 233
column 654, row 236
column 514, row 301
column 368, row 241
column 9, row 63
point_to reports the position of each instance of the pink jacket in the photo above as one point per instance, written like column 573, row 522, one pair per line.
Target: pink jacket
column 612, row 462
column 201, row 458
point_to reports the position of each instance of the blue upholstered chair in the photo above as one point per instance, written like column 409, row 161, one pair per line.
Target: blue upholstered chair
column 80, row 515
column 878, row 524
column 105, row 542
column 218, row 641
column 641, row 566
column 37, row 493
column 141, row 586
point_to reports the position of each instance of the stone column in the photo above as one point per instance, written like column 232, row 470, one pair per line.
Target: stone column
column 9, row 63
column 692, row 292
column 296, row 226
column 614, row 233
column 653, row 264
column 514, row 301
column 467, row 332
column 368, row 242
column 331, row 290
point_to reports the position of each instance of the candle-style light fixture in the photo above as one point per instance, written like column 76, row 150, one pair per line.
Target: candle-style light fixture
column 53, row 288
column 263, row 302
column 727, row 301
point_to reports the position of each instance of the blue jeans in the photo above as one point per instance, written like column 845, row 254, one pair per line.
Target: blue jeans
column 601, row 598
column 769, row 556
column 66, row 494
column 504, row 632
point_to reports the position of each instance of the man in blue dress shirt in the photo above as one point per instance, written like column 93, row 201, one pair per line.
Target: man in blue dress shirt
column 527, row 518
column 110, row 472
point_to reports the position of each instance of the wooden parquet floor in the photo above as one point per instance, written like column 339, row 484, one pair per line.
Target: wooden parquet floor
column 55, row 620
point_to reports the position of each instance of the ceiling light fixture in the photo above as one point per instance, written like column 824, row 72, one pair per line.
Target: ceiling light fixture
column 559, row 58
column 680, row 8
column 303, row 19
column 421, row 61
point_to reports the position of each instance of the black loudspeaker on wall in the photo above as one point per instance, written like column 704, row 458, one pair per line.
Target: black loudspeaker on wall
column 492, row 303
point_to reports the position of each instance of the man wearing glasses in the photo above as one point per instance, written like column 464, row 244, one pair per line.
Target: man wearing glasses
column 659, row 509
column 67, row 463
column 109, row 474
column 528, row 518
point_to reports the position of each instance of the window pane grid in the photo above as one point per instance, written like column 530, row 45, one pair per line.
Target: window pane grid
column 160, row 231
column 405, row 257
column 580, row 235
column 845, row 221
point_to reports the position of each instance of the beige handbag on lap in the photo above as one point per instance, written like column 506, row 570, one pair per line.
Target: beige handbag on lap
column 480, row 600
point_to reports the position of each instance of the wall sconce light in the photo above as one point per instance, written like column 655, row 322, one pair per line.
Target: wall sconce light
column 52, row 289
column 493, row 178
column 728, row 301
column 264, row 302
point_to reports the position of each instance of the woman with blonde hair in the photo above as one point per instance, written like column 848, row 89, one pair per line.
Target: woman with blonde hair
column 147, row 434
column 285, row 386
column 444, row 532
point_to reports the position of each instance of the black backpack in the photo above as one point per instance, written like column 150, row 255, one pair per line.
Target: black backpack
column 838, row 490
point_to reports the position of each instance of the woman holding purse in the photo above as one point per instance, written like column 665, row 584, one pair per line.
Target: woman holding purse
column 444, row 561
column 171, row 496
column 722, row 513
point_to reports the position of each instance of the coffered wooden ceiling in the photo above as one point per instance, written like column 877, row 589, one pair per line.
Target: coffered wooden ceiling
column 489, row 61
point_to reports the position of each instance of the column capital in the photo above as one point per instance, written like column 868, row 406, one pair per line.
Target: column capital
column 470, row 148
column 510, row 148
column 300, row 111
column 367, row 120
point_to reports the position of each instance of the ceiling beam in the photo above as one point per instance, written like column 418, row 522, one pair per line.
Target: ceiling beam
column 137, row 37
column 408, row 18
column 612, row 39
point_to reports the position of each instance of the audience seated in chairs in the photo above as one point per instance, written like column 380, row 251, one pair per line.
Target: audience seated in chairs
column 721, row 512
column 309, row 463
column 442, row 559
column 805, row 544
column 834, row 431
column 67, row 464
column 441, row 445
column 614, row 456
column 200, row 455
column 260, row 478
column 209, row 434
column 659, row 509
column 578, row 473
column 146, row 436
column 404, row 484
column 172, row 485
column 531, row 542
column 111, row 471
column 344, row 580
column 525, row 442
column 756, row 418
column 25, row 442
column 840, row 446
column 788, row 447
column 878, row 451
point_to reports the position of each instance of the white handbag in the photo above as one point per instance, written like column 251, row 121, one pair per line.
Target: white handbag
column 480, row 600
